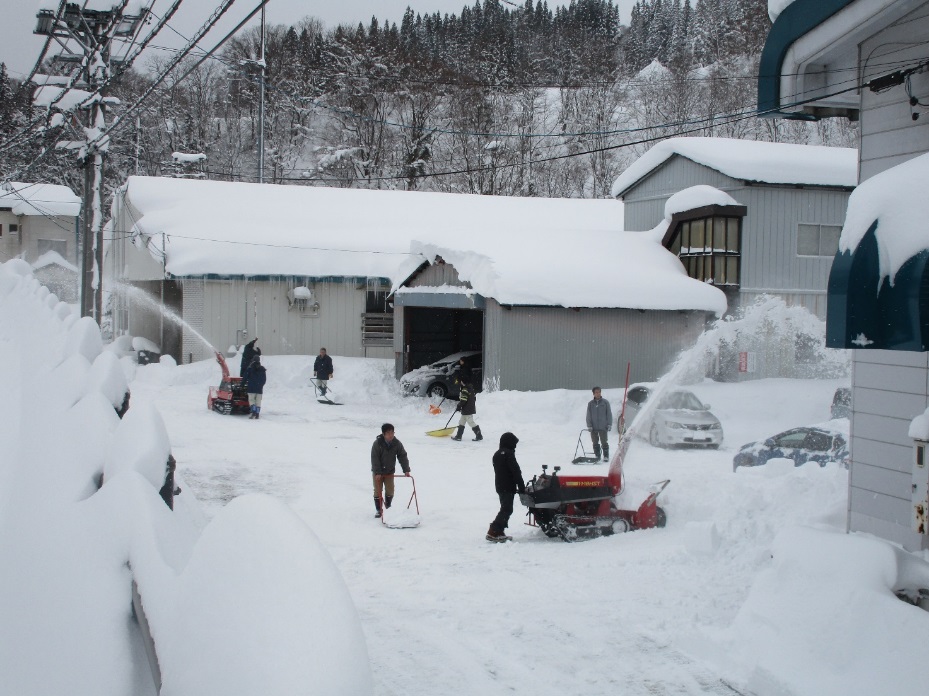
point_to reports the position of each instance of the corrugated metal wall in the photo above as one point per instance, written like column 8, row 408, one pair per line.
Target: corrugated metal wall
column 534, row 348
column 770, row 263
column 889, row 135
column 261, row 307
column 889, row 388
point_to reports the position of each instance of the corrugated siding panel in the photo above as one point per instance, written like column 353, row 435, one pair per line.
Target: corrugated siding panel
column 548, row 348
column 889, row 135
column 262, row 308
column 192, row 346
column 643, row 204
column 889, row 389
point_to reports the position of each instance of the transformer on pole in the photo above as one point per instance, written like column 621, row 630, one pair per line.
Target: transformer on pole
column 85, row 37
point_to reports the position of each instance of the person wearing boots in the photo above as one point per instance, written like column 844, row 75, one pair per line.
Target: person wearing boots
column 248, row 353
column 508, row 479
column 600, row 421
column 385, row 452
column 255, row 378
column 467, row 404
column 322, row 371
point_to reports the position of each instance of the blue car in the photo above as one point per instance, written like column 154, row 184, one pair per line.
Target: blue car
column 808, row 444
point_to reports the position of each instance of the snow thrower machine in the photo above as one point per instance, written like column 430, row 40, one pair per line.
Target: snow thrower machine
column 585, row 507
column 230, row 396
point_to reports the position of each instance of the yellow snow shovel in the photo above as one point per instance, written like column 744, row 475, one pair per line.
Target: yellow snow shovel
column 443, row 432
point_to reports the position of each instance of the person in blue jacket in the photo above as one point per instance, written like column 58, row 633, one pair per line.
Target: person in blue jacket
column 255, row 377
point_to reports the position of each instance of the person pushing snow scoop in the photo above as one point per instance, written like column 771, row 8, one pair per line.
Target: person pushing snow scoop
column 386, row 451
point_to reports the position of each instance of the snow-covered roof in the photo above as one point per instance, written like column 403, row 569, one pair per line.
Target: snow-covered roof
column 39, row 199
column 896, row 200
column 563, row 252
column 751, row 160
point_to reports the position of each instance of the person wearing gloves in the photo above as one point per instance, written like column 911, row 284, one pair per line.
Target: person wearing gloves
column 600, row 421
column 248, row 352
column 385, row 452
column 467, row 405
column 508, row 479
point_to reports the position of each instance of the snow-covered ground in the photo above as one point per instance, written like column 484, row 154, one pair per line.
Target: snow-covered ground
column 665, row 611
column 753, row 587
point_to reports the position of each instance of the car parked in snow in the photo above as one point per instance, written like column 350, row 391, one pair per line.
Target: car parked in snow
column 438, row 380
column 823, row 443
column 680, row 418
column 842, row 403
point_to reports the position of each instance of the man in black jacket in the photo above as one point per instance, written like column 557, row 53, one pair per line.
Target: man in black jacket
column 508, row 479
column 322, row 370
column 385, row 452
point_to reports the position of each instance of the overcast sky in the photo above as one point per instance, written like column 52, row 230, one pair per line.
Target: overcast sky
column 19, row 47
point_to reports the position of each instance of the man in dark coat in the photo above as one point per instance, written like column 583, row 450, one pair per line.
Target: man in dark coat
column 248, row 352
column 467, row 404
column 508, row 479
column 255, row 378
column 322, row 370
column 385, row 452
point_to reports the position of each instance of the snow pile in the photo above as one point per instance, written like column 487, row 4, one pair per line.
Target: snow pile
column 81, row 519
column 895, row 202
column 696, row 197
column 623, row 269
column 39, row 199
column 835, row 586
column 751, row 160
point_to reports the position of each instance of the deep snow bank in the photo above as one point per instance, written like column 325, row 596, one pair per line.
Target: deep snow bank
column 234, row 607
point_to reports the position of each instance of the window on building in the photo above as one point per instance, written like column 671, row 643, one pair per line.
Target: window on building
column 14, row 229
column 57, row 245
column 710, row 248
column 817, row 240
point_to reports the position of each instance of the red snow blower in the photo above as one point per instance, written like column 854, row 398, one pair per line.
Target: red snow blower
column 230, row 396
column 584, row 507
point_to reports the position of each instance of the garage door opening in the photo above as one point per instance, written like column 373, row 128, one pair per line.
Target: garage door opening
column 433, row 333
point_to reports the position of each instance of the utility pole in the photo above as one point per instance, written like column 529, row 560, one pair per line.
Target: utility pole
column 93, row 32
column 261, row 105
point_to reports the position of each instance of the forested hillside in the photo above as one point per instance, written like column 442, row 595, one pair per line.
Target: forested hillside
column 501, row 99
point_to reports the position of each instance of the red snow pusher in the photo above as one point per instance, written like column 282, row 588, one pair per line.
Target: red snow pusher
column 230, row 396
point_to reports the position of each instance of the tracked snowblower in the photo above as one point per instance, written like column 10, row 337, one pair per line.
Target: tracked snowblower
column 585, row 507
column 230, row 396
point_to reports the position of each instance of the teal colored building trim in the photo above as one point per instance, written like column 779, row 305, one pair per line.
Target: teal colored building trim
column 866, row 311
column 797, row 19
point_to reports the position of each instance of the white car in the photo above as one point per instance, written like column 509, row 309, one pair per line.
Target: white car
column 437, row 380
column 679, row 420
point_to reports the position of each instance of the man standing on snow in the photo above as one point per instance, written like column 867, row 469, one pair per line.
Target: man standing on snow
column 322, row 370
column 508, row 479
column 600, row 421
column 385, row 452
